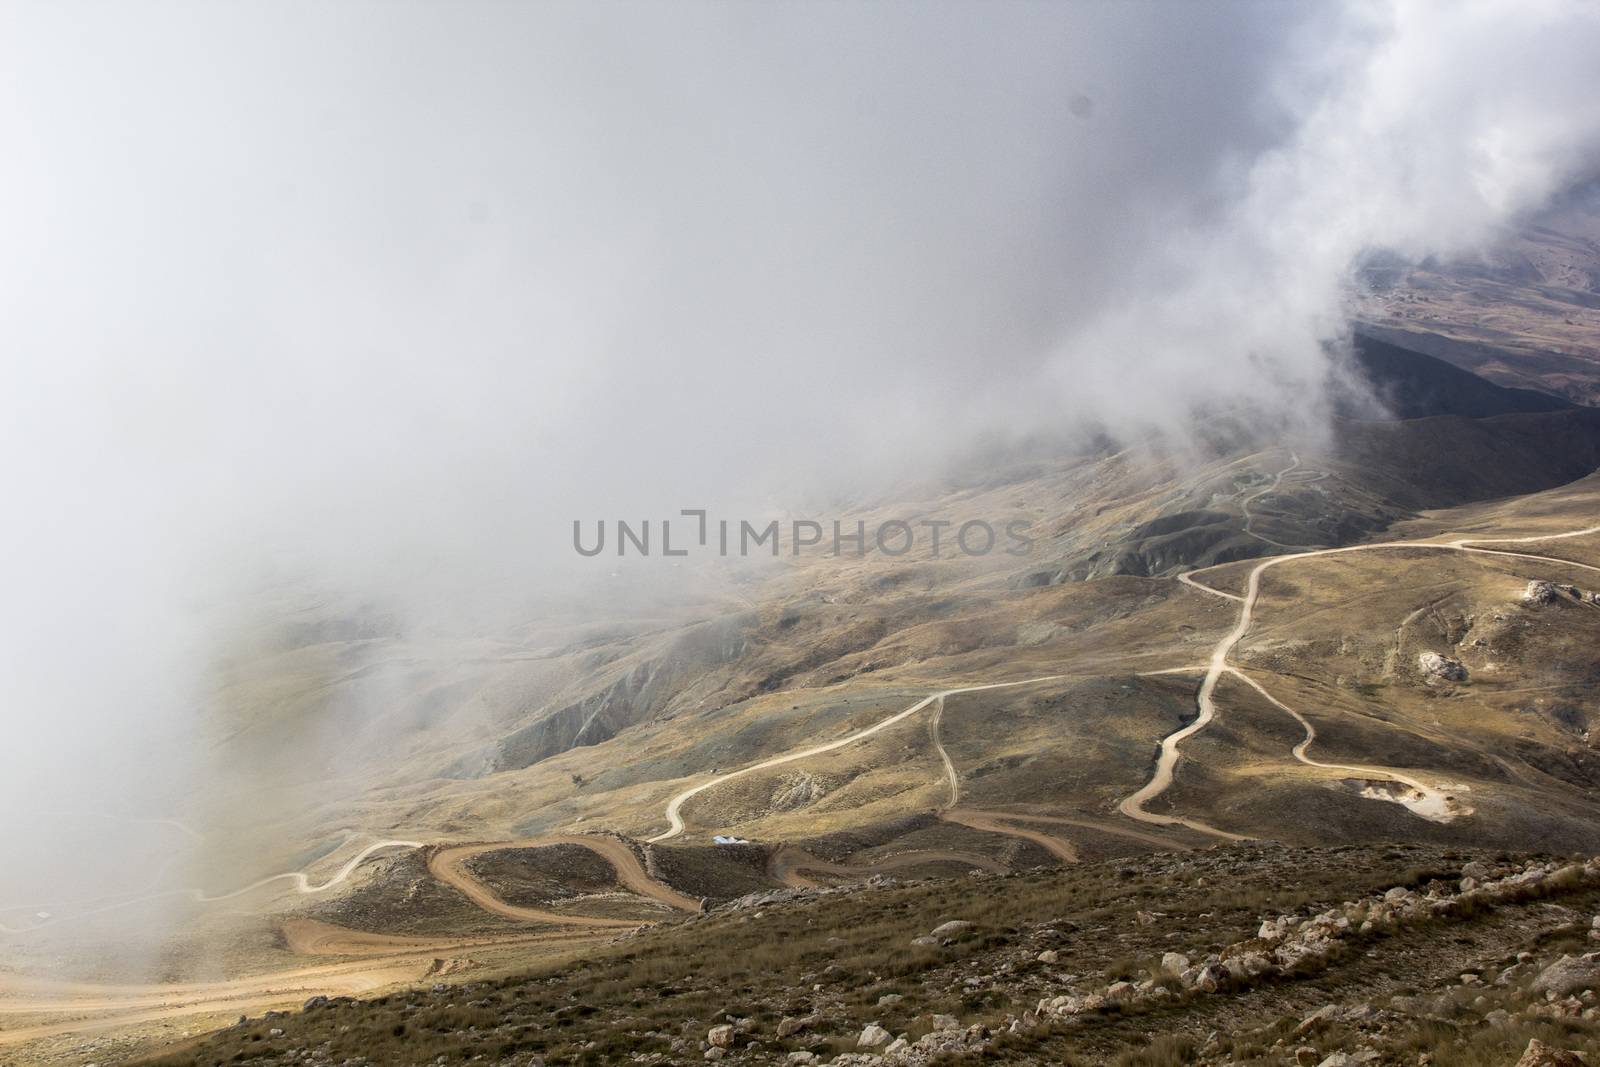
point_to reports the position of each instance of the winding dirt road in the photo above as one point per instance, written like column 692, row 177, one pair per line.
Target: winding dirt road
column 1133, row 806
column 1249, row 517
column 999, row 822
column 994, row 822
column 449, row 866
column 299, row 879
column 302, row 883
column 990, row 821
column 1187, row 578
column 788, row 860
column 952, row 780
column 1430, row 802
column 312, row 937
column 105, row 1007
column 675, row 825
column 385, row 959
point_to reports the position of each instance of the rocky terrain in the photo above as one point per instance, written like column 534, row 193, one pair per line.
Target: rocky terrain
column 1238, row 954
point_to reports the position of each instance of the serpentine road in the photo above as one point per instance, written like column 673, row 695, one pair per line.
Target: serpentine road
column 1133, row 806
column 788, row 860
column 386, row 959
column 989, row 821
column 301, row 882
column 675, row 805
column 449, row 866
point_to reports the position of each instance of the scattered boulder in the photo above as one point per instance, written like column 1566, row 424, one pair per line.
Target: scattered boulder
column 1569, row 974
column 946, row 1022
column 1539, row 1054
column 720, row 1036
column 1210, row 978
column 1435, row 666
column 1174, row 962
column 1328, row 1013
column 1254, row 964
column 1539, row 592
column 874, row 1036
column 1049, row 955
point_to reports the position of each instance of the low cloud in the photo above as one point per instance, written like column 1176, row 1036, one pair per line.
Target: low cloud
column 380, row 297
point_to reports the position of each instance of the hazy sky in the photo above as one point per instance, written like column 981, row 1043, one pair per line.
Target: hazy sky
column 392, row 292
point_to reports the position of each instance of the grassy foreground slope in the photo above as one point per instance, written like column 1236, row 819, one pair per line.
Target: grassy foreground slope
column 1102, row 963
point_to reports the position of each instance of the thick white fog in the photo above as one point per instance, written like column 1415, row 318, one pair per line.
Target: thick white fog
column 382, row 296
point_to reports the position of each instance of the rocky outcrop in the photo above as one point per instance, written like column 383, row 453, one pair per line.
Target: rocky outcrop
column 873, row 1036
column 1539, row 593
column 797, row 791
column 953, row 928
column 1287, row 946
column 1435, row 667
column 1569, row 974
column 631, row 696
column 1539, row 1054
column 793, row 1024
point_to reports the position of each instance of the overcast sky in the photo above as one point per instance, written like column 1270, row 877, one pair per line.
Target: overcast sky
column 391, row 292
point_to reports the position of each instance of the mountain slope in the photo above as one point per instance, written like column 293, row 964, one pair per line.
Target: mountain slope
column 1525, row 313
column 1413, row 385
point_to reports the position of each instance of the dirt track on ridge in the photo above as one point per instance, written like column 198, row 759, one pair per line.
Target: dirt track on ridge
column 449, row 866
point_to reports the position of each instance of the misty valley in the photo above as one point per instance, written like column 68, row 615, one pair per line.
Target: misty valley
column 1139, row 605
